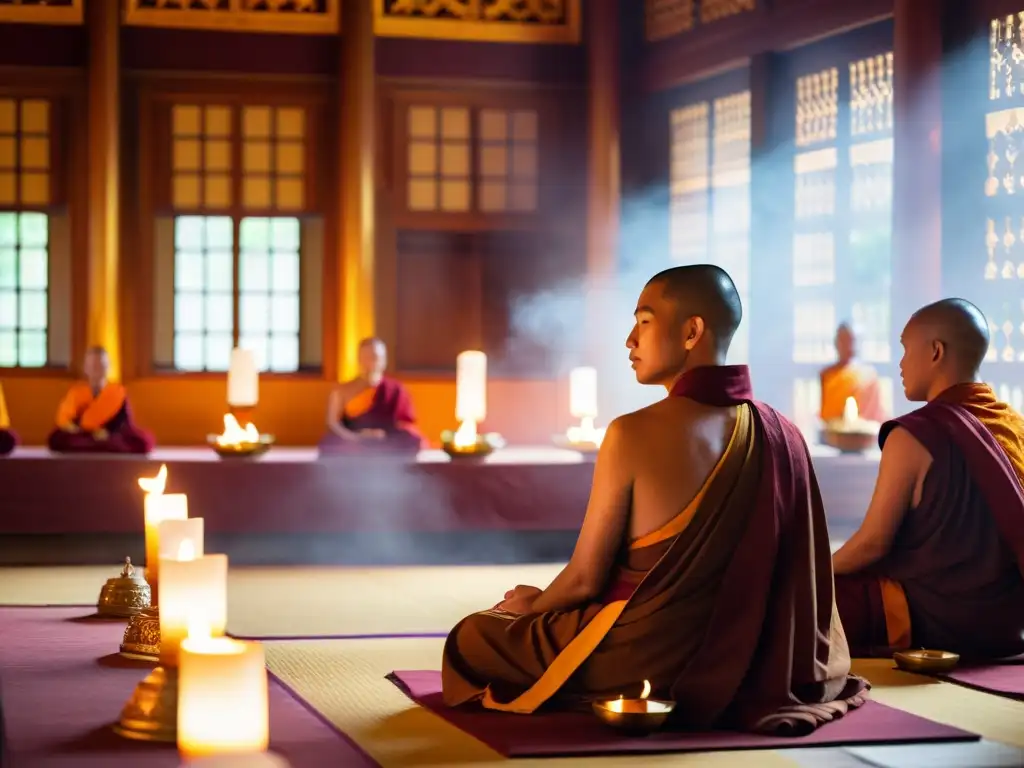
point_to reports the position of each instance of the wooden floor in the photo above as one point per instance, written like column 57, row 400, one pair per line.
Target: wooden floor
column 369, row 621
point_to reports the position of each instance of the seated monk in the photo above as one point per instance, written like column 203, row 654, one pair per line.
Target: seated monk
column 938, row 560
column 8, row 437
column 847, row 378
column 703, row 563
column 94, row 416
column 371, row 413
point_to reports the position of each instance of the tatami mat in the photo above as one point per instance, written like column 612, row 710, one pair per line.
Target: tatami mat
column 344, row 681
column 305, row 602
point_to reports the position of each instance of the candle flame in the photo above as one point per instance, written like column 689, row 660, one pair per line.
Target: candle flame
column 586, row 433
column 155, row 485
column 187, row 550
column 234, row 434
column 465, row 435
column 647, row 689
column 850, row 411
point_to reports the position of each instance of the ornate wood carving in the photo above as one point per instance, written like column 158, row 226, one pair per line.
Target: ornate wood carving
column 41, row 11
column 510, row 21
column 668, row 18
column 311, row 17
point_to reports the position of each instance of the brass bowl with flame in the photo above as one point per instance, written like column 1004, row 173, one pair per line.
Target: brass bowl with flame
column 126, row 595
column 484, row 446
column 926, row 661
column 634, row 717
column 849, row 441
column 241, row 450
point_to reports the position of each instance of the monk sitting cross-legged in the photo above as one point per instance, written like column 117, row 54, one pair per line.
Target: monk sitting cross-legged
column 94, row 416
column 938, row 560
column 703, row 563
column 847, row 378
column 371, row 413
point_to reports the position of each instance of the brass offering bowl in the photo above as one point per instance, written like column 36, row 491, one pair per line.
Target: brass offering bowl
column 849, row 441
column 485, row 445
column 126, row 595
column 634, row 717
column 141, row 638
column 585, row 446
column 926, row 661
column 241, row 450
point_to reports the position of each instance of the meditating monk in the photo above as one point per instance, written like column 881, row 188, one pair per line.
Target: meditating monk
column 849, row 378
column 703, row 563
column 94, row 416
column 372, row 412
column 938, row 560
column 8, row 437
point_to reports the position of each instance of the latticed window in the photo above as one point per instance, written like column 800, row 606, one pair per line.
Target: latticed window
column 243, row 244
column 842, row 219
column 997, row 285
column 710, row 193
column 464, row 160
column 34, row 313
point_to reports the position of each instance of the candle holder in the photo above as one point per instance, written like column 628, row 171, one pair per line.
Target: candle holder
column 585, row 438
column 125, row 595
column 634, row 717
column 482, row 446
column 241, row 450
column 151, row 714
column 142, row 635
column 926, row 661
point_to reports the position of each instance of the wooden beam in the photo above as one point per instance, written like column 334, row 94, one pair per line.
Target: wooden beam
column 917, row 170
column 356, row 175
column 103, row 323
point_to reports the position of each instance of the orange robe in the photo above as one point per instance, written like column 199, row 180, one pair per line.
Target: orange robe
column 387, row 407
column 91, row 412
column 841, row 382
column 727, row 609
column 954, row 577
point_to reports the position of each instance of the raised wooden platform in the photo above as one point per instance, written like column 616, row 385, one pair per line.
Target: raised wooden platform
column 291, row 507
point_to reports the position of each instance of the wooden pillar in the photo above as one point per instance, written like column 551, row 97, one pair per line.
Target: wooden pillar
column 917, row 171
column 103, row 19
column 356, row 183
column 603, row 195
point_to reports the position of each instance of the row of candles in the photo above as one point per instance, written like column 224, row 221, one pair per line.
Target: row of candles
column 222, row 682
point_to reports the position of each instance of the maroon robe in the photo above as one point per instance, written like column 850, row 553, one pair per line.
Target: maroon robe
column 958, row 556
column 123, row 436
column 734, row 619
column 390, row 410
column 8, row 441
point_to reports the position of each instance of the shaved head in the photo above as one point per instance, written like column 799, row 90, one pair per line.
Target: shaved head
column 705, row 291
column 685, row 318
column 944, row 344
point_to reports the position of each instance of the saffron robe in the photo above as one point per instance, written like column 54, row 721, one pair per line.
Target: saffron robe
column 91, row 412
column 8, row 437
column 840, row 382
column 953, row 577
column 387, row 407
column 727, row 610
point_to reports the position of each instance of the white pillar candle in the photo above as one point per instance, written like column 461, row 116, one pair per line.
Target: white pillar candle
column 172, row 533
column 583, row 393
column 222, row 697
column 243, row 379
column 158, row 508
column 193, row 589
column 265, row 760
column 471, row 386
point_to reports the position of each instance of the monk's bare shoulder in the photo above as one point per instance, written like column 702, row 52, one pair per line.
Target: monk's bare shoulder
column 904, row 452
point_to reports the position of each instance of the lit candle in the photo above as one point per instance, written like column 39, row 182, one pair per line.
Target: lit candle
column 470, row 395
column 159, row 507
column 194, row 590
column 173, row 532
column 222, row 697
column 243, row 379
column 583, row 393
column 850, row 411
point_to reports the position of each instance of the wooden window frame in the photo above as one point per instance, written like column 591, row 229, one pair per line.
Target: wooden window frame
column 474, row 100
column 156, row 96
column 65, row 90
